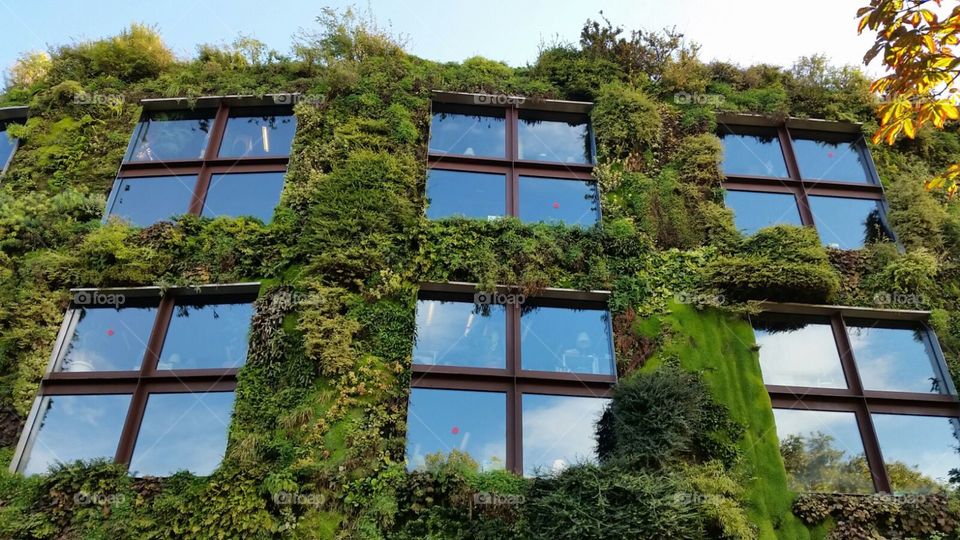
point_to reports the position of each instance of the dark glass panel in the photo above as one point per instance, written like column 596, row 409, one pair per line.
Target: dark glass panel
column 69, row 428
column 557, row 200
column 171, row 135
column 827, row 156
column 918, row 451
column 182, row 432
column 465, row 194
column 205, row 335
column 7, row 146
column 145, row 201
column 460, row 334
column 754, row 210
column 823, row 451
column 441, row 422
column 246, row 194
column 563, row 138
column 566, row 340
column 799, row 352
column 752, row 152
column 468, row 131
column 892, row 358
column 848, row 223
column 559, row 431
column 108, row 339
column 258, row 132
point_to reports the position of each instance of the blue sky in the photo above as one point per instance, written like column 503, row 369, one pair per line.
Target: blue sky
column 743, row 31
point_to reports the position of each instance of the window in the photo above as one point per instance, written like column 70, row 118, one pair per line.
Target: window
column 862, row 399
column 8, row 144
column 226, row 157
column 831, row 156
column 468, row 131
column 486, row 162
column 143, row 380
column 466, row 194
column 558, row 431
column 754, row 210
column 792, row 174
column 517, row 384
column 753, row 152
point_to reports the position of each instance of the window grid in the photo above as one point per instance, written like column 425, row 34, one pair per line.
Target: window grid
column 204, row 168
column 140, row 383
column 510, row 164
column 864, row 403
column 512, row 380
column 802, row 188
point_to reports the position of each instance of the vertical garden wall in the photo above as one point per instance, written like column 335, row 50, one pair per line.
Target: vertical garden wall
column 321, row 404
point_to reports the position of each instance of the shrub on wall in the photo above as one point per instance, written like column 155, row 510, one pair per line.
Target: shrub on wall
column 781, row 263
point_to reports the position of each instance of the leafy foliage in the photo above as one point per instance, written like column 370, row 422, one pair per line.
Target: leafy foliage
column 881, row 516
column 918, row 50
column 321, row 403
column 662, row 418
column 778, row 263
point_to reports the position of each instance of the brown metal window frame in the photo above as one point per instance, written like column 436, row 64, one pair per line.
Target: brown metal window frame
column 211, row 163
column 11, row 115
column 512, row 380
column 795, row 184
column 854, row 398
column 510, row 165
column 139, row 384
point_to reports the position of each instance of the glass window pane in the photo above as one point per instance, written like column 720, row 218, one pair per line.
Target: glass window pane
column 830, row 158
column 460, row 334
column 753, row 153
column 799, row 353
column 559, row 431
column 145, row 201
column 206, row 335
column 897, row 359
column 171, row 135
column 247, row 194
column 440, row 422
column 466, row 194
column 7, row 144
column 822, row 451
column 918, row 451
column 754, row 210
column 556, row 200
column 554, row 137
column 182, row 432
column 474, row 131
column 566, row 340
column 258, row 132
column 69, row 428
column 847, row 223
column 108, row 339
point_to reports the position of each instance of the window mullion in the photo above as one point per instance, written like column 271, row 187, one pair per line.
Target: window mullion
column 131, row 425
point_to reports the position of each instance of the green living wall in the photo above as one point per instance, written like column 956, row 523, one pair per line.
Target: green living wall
column 321, row 403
